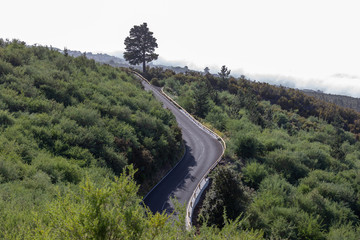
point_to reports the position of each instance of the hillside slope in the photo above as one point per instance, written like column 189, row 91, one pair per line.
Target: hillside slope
column 342, row 101
column 68, row 128
column 293, row 168
column 64, row 118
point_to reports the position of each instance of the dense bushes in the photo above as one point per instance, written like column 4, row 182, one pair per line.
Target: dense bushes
column 249, row 93
column 247, row 146
column 109, row 209
column 304, row 171
column 72, row 110
column 64, row 118
column 289, row 174
column 227, row 195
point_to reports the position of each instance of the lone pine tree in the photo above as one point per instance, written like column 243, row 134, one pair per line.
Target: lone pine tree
column 140, row 46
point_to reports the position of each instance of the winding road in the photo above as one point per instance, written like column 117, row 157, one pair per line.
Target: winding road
column 202, row 151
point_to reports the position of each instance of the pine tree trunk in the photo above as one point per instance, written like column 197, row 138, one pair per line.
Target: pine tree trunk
column 143, row 59
column 144, row 67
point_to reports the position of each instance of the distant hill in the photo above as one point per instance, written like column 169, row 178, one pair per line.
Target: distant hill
column 101, row 58
column 120, row 62
column 340, row 100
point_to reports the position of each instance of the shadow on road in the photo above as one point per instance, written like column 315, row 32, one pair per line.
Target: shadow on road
column 158, row 199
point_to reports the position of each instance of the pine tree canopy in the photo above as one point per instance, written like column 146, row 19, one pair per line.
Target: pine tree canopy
column 140, row 46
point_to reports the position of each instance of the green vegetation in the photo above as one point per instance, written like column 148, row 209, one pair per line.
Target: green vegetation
column 111, row 209
column 62, row 118
column 78, row 113
column 292, row 162
column 71, row 133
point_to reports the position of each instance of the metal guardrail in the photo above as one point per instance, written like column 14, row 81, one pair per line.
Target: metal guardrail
column 204, row 182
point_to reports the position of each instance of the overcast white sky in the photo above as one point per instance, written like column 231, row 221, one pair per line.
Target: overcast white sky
column 305, row 44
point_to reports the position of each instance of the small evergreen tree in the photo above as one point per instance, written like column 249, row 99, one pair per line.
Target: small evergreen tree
column 226, row 194
column 224, row 72
column 206, row 70
column 201, row 97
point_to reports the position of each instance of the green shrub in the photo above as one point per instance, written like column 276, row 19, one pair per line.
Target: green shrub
column 58, row 168
column 39, row 180
column 156, row 82
column 338, row 192
column 82, row 115
column 226, row 195
column 287, row 163
column 346, row 231
column 281, row 120
column 217, row 118
column 5, row 118
column 247, row 146
column 9, row 171
column 5, row 68
column 254, row 173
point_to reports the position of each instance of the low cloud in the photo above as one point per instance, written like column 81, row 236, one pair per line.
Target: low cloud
column 339, row 83
column 346, row 76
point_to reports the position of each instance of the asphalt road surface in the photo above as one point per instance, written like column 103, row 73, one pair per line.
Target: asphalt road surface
column 202, row 151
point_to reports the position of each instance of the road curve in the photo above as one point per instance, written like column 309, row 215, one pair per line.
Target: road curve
column 202, row 151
